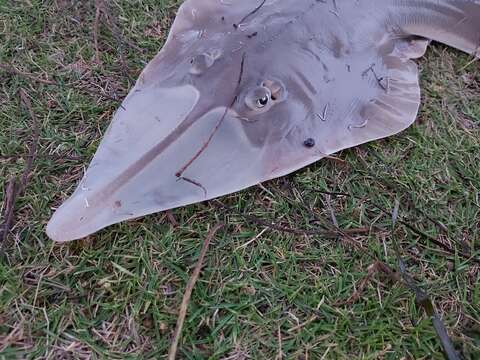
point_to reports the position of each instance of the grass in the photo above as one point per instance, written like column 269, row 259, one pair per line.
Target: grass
column 117, row 294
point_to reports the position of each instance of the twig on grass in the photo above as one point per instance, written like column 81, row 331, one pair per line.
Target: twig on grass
column 407, row 223
column 328, row 200
column 7, row 213
column 13, row 70
column 32, row 153
column 188, row 292
column 402, row 277
column 117, row 34
column 280, row 353
column 330, row 232
column 421, row 296
column 376, row 267
column 98, row 14
column 15, row 189
column 171, row 218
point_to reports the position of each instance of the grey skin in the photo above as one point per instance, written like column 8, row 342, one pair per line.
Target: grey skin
column 249, row 90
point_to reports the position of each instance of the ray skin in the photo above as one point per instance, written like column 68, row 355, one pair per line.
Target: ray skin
column 249, row 90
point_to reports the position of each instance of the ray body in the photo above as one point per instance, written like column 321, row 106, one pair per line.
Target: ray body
column 249, row 90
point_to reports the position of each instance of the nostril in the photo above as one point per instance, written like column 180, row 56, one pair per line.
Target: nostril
column 309, row 143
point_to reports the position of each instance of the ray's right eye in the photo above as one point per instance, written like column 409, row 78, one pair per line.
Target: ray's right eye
column 262, row 102
column 258, row 98
column 269, row 93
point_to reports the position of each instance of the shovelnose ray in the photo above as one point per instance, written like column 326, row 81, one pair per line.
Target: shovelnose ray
column 249, row 90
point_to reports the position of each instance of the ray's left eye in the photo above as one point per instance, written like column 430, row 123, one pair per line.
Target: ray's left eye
column 201, row 63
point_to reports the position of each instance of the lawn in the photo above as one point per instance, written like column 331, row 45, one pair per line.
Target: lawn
column 298, row 289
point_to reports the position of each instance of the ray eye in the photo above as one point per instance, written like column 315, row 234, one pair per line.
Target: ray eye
column 201, row 63
column 258, row 98
column 262, row 102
